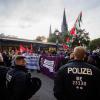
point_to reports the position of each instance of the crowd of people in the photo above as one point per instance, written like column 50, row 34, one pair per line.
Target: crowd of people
column 92, row 57
column 77, row 78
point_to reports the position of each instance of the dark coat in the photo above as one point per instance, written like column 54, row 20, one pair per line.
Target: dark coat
column 3, row 71
column 77, row 81
column 19, row 84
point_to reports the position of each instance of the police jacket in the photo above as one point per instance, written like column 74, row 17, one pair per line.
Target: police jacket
column 77, row 80
column 3, row 71
column 18, row 81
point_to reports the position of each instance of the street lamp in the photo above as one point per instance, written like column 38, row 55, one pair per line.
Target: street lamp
column 57, row 36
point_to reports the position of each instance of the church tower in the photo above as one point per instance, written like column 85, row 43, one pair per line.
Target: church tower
column 64, row 26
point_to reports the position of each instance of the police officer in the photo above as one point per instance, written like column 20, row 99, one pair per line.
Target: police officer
column 77, row 80
column 20, row 85
column 3, row 71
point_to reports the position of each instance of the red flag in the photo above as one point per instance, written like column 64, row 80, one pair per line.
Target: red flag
column 72, row 31
column 22, row 48
column 65, row 46
column 67, row 39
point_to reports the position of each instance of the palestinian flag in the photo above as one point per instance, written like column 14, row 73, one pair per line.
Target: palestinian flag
column 72, row 31
column 65, row 46
column 68, row 41
column 78, row 21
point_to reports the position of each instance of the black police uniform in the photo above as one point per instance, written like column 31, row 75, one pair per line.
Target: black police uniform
column 20, row 85
column 3, row 71
column 77, row 81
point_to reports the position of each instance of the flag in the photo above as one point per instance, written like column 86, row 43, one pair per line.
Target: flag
column 78, row 21
column 22, row 48
column 65, row 46
column 67, row 39
column 72, row 31
column 68, row 43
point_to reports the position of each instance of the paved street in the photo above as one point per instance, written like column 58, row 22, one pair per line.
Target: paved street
column 46, row 91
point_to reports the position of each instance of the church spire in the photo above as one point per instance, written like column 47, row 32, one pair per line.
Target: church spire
column 50, row 31
column 64, row 27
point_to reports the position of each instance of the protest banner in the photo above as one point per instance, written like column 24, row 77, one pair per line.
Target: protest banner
column 50, row 64
column 32, row 61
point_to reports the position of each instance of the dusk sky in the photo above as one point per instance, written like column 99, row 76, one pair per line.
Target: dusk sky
column 31, row 18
